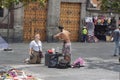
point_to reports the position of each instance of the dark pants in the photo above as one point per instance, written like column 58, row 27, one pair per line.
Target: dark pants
column 84, row 38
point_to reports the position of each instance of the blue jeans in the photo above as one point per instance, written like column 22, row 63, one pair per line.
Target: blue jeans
column 117, row 48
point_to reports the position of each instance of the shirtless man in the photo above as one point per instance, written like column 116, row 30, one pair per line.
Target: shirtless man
column 64, row 35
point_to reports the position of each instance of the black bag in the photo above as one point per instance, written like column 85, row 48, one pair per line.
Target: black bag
column 53, row 61
column 63, row 64
column 41, row 54
column 77, row 65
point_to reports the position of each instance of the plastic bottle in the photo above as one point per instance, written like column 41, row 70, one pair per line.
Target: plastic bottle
column 53, row 49
column 57, row 50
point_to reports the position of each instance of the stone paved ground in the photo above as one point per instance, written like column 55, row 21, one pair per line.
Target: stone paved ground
column 100, row 64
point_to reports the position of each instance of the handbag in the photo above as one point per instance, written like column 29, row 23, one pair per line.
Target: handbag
column 40, row 52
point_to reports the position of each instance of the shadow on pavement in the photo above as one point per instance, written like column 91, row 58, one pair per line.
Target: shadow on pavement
column 108, row 65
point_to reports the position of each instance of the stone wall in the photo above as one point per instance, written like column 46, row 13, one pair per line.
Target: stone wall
column 15, row 33
column 54, row 15
column 18, row 24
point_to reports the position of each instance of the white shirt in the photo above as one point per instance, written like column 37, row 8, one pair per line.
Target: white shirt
column 36, row 46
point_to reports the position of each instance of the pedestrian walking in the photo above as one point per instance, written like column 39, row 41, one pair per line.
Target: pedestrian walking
column 64, row 35
column 116, row 39
column 35, row 51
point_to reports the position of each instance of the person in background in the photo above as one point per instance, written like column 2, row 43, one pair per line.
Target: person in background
column 116, row 39
column 35, row 51
column 84, row 34
column 64, row 35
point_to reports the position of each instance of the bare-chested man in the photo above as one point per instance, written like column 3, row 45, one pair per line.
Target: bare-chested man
column 64, row 35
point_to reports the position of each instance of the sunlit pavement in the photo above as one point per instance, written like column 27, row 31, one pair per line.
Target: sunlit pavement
column 100, row 64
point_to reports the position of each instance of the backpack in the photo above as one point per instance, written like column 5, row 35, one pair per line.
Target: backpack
column 63, row 64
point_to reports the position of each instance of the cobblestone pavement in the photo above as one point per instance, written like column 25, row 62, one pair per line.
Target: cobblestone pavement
column 100, row 64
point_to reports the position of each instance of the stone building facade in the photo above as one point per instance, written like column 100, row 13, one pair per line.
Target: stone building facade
column 16, row 33
column 25, row 22
column 54, row 17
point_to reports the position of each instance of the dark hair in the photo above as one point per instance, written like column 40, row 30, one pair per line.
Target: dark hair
column 61, row 28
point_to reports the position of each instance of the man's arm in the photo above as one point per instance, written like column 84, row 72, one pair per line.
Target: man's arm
column 57, row 35
column 30, row 47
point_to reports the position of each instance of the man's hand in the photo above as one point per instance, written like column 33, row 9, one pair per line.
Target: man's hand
column 54, row 36
column 30, row 51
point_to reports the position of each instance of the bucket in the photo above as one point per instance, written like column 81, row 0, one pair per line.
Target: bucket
column 108, row 38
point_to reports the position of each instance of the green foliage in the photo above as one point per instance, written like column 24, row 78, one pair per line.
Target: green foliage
column 110, row 5
column 9, row 3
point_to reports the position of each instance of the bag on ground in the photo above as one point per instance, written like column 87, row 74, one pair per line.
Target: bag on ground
column 78, row 63
column 63, row 64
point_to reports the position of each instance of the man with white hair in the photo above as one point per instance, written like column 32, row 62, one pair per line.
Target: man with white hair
column 35, row 51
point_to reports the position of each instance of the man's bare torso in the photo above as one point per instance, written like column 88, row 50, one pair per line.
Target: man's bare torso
column 64, row 36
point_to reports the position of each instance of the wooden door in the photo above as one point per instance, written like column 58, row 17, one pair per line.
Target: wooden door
column 70, row 18
column 34, row 21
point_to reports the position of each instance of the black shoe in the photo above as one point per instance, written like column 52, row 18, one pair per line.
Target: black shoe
column 119, row 59
column 114, row 55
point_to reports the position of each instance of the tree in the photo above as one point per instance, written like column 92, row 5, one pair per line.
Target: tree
column 110, row 5
column 9, row 4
